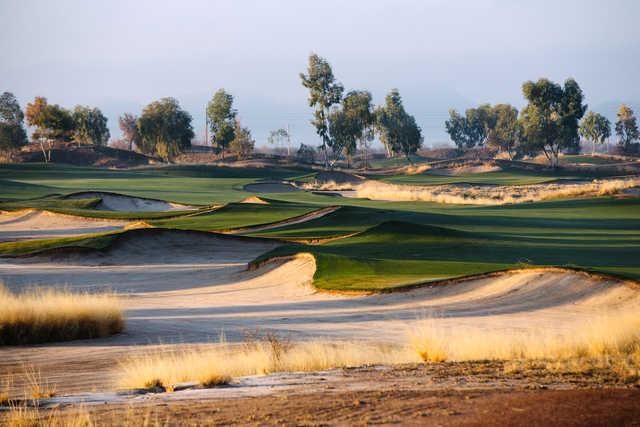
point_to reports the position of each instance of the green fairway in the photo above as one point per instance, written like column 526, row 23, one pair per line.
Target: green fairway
column 379, row 244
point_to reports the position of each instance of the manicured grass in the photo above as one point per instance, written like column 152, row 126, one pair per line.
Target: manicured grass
column 236, row 215
column 399, row 242
column 593, row 160
column 29, row 247
column 519, row 177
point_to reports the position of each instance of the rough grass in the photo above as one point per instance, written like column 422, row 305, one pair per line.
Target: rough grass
column 482, row 195
column 45, row 315
column 215, row 366
column 615, row 336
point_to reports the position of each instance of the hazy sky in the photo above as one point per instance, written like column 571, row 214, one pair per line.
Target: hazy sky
column 121, row 55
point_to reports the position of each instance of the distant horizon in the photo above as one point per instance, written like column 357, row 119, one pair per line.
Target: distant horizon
column 439, row 54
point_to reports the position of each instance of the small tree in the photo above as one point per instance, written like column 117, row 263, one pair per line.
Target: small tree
column 358, row 106
column 324, row 91
column 595, row 128
column 12, row 133
column 164, row 129
column 550, row 120
column 306, row 154
column 278, row 137
column 221, row 116
column 626, row 128
column 457, row 129
column 242, row 144
column 398, row 130
column 129, row 127
column 52, row 123
column 504, row 130
column 90, row 126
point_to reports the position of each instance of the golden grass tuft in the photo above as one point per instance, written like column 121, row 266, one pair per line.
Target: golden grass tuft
column 612, row 336
column 480, row 195
column 44, row 315
column 215, row 366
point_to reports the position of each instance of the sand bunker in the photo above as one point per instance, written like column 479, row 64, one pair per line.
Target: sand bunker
column 478, row 194
column 123, row 203
column 465, row 169
column 255, row 200
column 202, row 288
column 35, row 224
column 270, row 187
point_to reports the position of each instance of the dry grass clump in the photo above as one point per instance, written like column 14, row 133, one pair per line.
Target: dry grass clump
column 43, row 315
column 215, row 366
column 480, row 195
column 22, row 416
column 606, row 338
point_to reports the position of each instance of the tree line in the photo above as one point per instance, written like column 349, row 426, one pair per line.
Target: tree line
column 553, row 121
column 345, row 122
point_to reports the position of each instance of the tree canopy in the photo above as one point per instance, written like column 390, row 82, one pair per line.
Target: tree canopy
column 626, row 127
column 12, row 132
column 398, row 130
column 595, row 128
column 129, row 127
column 221, row 117
column 52, row 122
column 90, row 126
column 551, row 118
column 164, row 129
column 242, row 144
column 324, row 91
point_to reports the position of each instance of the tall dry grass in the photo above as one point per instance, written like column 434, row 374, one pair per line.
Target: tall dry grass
column 611, row 336
column 23, row 416
column 218, row 365
column 43, row 315
column 480, row 195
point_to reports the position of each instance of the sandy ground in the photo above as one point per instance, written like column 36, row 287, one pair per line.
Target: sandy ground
column 123, row 203
column 180, row 287
column 466, row 169
column 35, row 224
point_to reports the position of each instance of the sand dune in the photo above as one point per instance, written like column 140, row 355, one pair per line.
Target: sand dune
column 202, row 288
column 124, row 203
column 35, row 224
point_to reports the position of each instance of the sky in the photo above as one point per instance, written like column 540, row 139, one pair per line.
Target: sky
column 119, row 55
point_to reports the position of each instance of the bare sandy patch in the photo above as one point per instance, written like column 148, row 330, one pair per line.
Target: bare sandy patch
column 465, row 169
column 124, row 203
column 36, row 224
column 254, row 200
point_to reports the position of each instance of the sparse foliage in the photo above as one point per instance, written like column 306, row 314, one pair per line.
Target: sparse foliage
column 129, row 127
column 306, row 154
column 595, row 128
column 52, row 123
column 324, row 91
column 278, row 137
column 504, row 129
column 242, row 144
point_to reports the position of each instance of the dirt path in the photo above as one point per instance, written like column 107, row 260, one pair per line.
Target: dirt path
column 183, row 288
column 36, row 224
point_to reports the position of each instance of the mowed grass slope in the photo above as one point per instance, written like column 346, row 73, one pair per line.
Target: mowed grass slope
column 391, row 243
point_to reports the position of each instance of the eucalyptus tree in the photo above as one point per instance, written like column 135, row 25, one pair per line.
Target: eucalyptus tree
column 90, row 126
column 626, row 127
column 280, row 136
column 12, row 132
column 398, row 130
column 359, row 108
column 221, row 117
column 595, row 128
column 550, row 119
column 324, row 92
column 243, row 143
column 129, row 127
column 52, row 123
column 503, row 129
column 164, row 129
column 471, row 129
